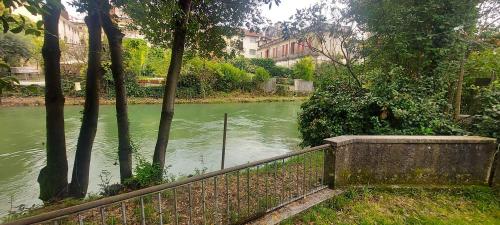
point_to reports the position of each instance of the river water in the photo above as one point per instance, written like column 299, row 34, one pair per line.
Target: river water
column 255, row 131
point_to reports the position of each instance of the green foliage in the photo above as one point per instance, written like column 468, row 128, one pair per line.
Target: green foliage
column 261, row 75
column 487, row 122
column 146, row 175
column 415, row 36
column 209, row 25
column 14, row 48
column 270, row 66
column 392, row 104
column 142, row 60
column 304, row 69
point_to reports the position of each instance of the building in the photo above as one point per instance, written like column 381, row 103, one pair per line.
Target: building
column 286, row 52
column 245, row 45
column 69, row 30
column 124, row 21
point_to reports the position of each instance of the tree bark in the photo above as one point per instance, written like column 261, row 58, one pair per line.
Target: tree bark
column 458, row 94
column 115, row 37
column 167, row 112
column 53, row 178
column 80, row 177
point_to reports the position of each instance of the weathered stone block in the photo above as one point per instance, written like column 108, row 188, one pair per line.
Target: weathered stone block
column 412, row 159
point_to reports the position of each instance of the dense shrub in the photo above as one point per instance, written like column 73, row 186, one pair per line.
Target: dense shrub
column 261, row 75
column 487, row 120
column 389, row 105
column 251, row 66
column 304, row 69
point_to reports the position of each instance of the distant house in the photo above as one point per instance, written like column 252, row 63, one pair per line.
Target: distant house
column 69, row 29
column 286, row 52
column 245, row 45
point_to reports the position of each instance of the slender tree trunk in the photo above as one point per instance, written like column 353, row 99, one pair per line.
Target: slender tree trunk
column 167, row 111
column 458, row 93
column 53, row 178
column 115, row 37
column 80, row 178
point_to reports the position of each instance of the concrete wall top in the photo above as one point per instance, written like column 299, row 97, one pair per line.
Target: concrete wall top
column 399, row 139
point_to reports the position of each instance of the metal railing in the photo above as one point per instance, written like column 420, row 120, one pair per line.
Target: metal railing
column 230, row 196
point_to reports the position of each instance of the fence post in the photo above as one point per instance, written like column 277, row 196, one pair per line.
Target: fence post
column 329, row 166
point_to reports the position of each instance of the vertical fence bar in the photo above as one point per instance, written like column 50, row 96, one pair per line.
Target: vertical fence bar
column 80, row 219
column 238, row 192
column 224, row 142
column 216, row 208
column 176, row 215
column 124, row 214
column 304, row 175
column 248, row 192
column 316, row 167
column 190, row 204
column 310, row 173
column 298, row 174
column 160, row 211
column 267, row 187
column 203, row 207
column 103, row 220
column 143, row 216
column 227, row 199
column 258, row 207
column 275, row 194
column 283, row 181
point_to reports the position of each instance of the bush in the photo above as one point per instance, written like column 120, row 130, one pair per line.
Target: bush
column 271, row 67
column 390, row 105
column 261, row 75
column 304, row 69
column 487, row 122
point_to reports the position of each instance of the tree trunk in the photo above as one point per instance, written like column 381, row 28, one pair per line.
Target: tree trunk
column 53, row 178
column 458, row 94
column 80, row 177
column 115, row 37
column 167, row 111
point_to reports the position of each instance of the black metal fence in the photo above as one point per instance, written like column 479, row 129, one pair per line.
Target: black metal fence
column 230, row 196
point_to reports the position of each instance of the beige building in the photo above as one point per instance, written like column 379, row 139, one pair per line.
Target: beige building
column 286, row 52
column 69, row 30
column 246, row 45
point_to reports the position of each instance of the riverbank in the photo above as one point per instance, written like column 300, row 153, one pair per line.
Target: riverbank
column 39, row 100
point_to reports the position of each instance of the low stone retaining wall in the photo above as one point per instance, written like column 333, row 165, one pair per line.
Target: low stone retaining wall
column 411, row 160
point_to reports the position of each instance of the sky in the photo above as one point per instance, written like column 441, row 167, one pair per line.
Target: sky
column 277, row 13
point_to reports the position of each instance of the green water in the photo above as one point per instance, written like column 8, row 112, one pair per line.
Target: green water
column 255, row 131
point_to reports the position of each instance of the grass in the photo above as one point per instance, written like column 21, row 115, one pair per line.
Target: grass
column 415, row 205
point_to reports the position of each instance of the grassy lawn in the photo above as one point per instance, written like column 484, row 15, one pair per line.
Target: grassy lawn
column 457, row 205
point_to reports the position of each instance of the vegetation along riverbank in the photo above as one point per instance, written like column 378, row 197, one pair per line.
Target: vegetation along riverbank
column 239, row 98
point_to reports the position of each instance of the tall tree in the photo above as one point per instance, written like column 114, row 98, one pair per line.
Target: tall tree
column 80, row 177
column 115, row 38
column 199, row 25
column 167, row 109
column 53, row 178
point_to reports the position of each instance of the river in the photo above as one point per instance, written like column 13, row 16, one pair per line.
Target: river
column 255, row 131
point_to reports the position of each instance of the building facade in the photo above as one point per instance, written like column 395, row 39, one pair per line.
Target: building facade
column 287, row 52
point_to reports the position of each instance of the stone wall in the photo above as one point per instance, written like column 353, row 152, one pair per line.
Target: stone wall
column 303, row 86
column 412, row 160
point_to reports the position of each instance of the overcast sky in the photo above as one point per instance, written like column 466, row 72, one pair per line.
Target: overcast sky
column 277, row 13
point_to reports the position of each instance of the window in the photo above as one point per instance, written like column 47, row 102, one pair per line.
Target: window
column 252, row 52
column 292, row 48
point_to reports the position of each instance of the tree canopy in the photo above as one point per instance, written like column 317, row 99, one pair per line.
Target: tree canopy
column 210, row 22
